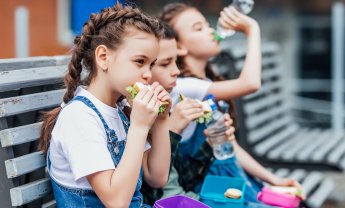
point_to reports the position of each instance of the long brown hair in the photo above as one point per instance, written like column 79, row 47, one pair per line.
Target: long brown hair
column 108, row 27
column 168, row 15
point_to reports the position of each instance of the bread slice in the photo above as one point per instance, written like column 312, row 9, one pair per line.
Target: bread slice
column 233, row 193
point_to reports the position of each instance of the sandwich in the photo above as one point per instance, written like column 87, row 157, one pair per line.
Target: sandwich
column 206, row 108
column 291, row 190
column 133, row 90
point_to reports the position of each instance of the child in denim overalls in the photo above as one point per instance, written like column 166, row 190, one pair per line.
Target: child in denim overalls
column 95, row 156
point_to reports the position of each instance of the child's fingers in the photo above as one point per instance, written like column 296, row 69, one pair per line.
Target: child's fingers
column 157, row 105
column 188, row 104
column 142, row 93
column 226, row 117
column 226, row 18
column 195, row 116
column 231, row 138
column 148, row 96
column 232, row 14
column 297, row 185
column 159, row 90
column 206, row 132
column 226, row 23
column 192, row 111
column 232, row 10
column 163, row 94
column 166, row 98
column 153, row 101
column 230, row 131
column 228, row 123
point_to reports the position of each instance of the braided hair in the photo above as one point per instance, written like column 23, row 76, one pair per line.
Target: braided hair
column 108, row 27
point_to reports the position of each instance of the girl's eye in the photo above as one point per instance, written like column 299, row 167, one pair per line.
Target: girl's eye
column 198, row 28
column 140, row 61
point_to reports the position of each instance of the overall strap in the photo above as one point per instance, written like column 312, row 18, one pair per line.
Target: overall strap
column 124, row 120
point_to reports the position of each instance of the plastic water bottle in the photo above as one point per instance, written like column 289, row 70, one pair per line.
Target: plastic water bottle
column 222, row 147
column 245, row 7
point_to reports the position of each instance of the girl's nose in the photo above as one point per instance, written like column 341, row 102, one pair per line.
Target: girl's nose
column 147, row 75
column 176, row 71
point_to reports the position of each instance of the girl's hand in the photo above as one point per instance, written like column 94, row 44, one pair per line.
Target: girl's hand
column 230, row 18
column 183, row 113
column 277, row 181
column 163, row 96
column 228, row 124
column 145, row 108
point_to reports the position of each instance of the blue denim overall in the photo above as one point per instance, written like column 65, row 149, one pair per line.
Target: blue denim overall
column 73, row 197
column 229, row 167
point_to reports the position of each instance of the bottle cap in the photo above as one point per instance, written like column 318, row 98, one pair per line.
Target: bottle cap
column 217, row 36
column 212, row 102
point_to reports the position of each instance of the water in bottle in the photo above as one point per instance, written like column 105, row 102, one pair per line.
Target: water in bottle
column 222, row 147
column 245, row 7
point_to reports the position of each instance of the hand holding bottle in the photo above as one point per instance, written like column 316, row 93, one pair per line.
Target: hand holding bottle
column 231, row 19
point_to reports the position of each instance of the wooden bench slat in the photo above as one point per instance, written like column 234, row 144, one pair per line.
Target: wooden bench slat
column 336, row 153
column 263, row 147
column 16, row 79
column 266, row 62
column 320, row 195
column 32, row 62
column 27, row 163
column 26, row 103
column 29, row 192
column 282, row 172
column 264, row 102
column 298, row 174
column 265, row 89
column 290, row 154
column 240, row 52
column 275, row 153
column 318, row 141
column 20, row 135
column 327, row 147
column 271, row 113
column 311, row 181
column 261, row 133
column 51, row 204
column 342, row 163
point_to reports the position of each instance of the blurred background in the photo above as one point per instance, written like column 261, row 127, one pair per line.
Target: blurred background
column 303, row 29
column 310, row 34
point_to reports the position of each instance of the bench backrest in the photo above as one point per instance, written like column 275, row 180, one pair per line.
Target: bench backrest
column 28, row 86
column 266, row 112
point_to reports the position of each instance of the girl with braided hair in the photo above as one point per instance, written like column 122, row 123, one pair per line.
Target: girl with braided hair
column 95, row 156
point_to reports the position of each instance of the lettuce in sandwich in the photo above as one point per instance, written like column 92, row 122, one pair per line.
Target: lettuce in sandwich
column 206, row 108
column 133, row 90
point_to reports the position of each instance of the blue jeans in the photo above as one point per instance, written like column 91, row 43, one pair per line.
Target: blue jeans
column 72, row 197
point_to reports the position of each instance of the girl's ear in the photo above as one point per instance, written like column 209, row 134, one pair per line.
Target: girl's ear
column 101, row 55
column 181, row 50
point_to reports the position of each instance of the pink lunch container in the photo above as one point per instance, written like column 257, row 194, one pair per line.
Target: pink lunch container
column 270, row 197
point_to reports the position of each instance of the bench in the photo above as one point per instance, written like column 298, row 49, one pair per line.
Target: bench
column 267, row 130
column 28, row 86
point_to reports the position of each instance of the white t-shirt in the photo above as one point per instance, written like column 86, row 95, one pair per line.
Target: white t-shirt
column 193, row 88
column 78, row 146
